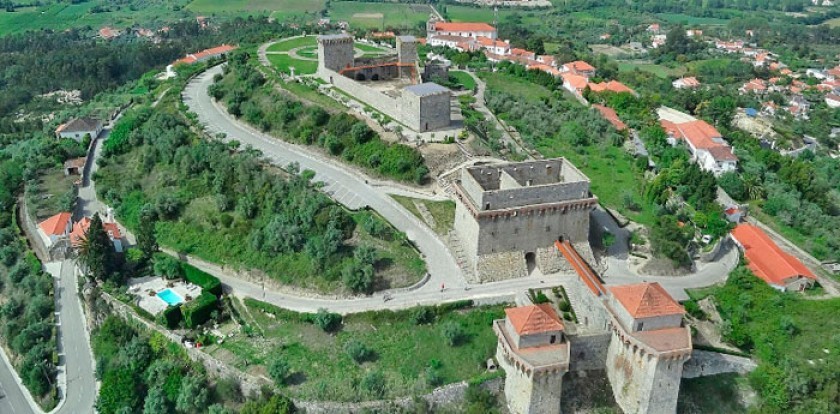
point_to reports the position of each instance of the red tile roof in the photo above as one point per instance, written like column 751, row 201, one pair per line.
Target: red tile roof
column 646, row 300
column 206, row 53
column 766, row 259
column 55, row 225
column 610, row 115
column 699, row 133
column 464, row 27
column 534, row 319
column 722, row 153
column 612, row 86
column 579, row 66
column 80, row 230
column 578, row 82
column 589, row 278
column 689, row 82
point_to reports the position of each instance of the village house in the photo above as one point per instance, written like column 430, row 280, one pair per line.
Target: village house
column 770, row 263
column 436, row 27
column 205, row 54
column 109, row 33
column 612, row 86
column 832, row 100
column 579, row 68
column 80, row 230
column 75, row 166
column 686, row 83
column 55, row 228
column 574, row 83
column 610, row 115
column 78, row 128
column 758, row 86
column 706, row 145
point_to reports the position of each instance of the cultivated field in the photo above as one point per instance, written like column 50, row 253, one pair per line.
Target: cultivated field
column 277, row 8
column 379, row 15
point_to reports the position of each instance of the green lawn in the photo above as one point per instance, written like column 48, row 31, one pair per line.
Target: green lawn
column 519, row 87
column 442, row 211
column 292, row 43
column 321, row 370
column 53, row 186
column 277, row 8
column 302, row 67
column 464, row 79
column 658, row 70
column 369, row 48
column 379, row 15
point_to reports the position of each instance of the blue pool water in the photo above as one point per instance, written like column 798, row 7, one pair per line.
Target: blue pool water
column 170, row 297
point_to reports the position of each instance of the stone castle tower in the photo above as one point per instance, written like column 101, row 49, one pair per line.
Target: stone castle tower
column 643, row 348
column 335, row 52
column 407, row 55
column 535, row 355
column 509, row 215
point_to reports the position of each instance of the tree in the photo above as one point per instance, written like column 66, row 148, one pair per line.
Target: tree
column 168, row 267
column 733, row 185
column 327, row 320
column 453, row 332
column 194, row 397
column 279, row 370
column 97, row 252
column 358, row 351
column 146, row 238
column 156, row 402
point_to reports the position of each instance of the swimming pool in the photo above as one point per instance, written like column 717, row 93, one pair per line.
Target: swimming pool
column 170, row 297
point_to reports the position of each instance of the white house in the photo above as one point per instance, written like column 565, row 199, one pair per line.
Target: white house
column 55, row 228
column 78, row 128
column 686, row 83
column 832, row 100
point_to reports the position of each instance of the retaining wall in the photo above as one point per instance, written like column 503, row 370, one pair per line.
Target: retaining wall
column 705, row 363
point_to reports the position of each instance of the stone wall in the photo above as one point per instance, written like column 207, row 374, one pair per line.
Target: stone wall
column 527, row 232
column 249, row 384
column 529, row 395
column 589, row 351
column 335, row 52
column 543, row 194
column 642, row 382
column 705, row 363
column 426, row 113
column 379, row 101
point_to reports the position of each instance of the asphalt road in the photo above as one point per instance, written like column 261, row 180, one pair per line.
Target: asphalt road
column 346, row 185
column 12, row 400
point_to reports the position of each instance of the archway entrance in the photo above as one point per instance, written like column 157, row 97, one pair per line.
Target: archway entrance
column 530, row 261
column 374, row 77
column 360, row 77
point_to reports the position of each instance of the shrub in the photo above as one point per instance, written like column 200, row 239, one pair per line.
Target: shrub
column 200, row 309
column 208, row 283
column 326, row 320
column 453, row 333
column 694, row 310
column 171, row 317
column 358, row 351
column 279, row 370
column 373, row 383
column 168, row 267
column 564, row 306
column 433, row 377
column 422, row 315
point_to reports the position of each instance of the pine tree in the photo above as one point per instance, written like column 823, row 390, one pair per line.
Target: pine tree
column 146, row 238
column 97, row 251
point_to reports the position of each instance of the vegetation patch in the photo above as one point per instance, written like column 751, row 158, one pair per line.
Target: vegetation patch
column 379, row 15
column 410, row 351
column 442, row 212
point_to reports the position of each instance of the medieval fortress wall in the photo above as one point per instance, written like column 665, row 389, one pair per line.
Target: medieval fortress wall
column 509, row 215
column 421, row 107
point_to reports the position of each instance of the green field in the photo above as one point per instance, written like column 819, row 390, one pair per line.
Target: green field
column 690, row 20
column 277, row 8
column 379, row 15
column 514, row 86
column 658, row 70
column 64, row 15
column 403, row 351
column 835, row 22
column 464, row 79
column 292, row 43
column 302, row 67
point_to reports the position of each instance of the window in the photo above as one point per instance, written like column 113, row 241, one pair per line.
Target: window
column 547, row 229
column 553, row 339
column 641, row 326
column 487, row 206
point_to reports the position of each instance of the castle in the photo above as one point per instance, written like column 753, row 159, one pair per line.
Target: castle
column 634, row 332
column 509, row 215
column 419, row 106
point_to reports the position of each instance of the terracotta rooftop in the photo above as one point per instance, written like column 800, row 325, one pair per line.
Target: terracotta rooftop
column 579, row 66
column 464, row 27
column 578, row 82
column 646, row 300
column 700, row 133
column 766, row 259
column 534, row 319
column 80, row 230
column 663, row 340
column 55, row 225
column 722, row 153
column 612, row 86
column 215, row 51
column 689, row 81
column 75, row 163
column 610, row 115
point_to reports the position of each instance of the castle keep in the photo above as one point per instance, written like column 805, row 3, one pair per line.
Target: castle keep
column 390, row 85
column 634, row 332
column 509, row 215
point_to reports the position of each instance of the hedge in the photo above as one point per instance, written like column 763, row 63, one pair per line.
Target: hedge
column 171, row 317
column 208, row 283
column 199, row 309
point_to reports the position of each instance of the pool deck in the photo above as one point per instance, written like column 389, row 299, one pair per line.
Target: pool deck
column 146, row 288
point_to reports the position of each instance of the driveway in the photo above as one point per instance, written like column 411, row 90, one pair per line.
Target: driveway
column 346, row 185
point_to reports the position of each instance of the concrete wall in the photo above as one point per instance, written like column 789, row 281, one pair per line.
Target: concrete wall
column 527, row 395
column 529, row 232
column 642, row 383
column 589, row 351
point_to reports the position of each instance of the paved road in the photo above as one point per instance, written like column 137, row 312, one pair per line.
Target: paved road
column 74, row 349
column 12, row 399
column 347, row 186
